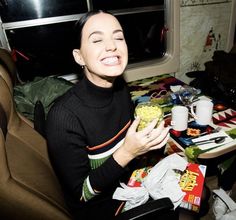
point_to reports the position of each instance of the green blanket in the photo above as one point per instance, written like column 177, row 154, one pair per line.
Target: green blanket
column 45, row 89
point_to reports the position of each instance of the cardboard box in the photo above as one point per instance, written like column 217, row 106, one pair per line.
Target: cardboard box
column 192, row 182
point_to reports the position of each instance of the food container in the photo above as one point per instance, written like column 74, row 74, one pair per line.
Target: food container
column 148, row 111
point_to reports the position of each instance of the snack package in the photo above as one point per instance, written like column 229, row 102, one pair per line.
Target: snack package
column 138, row 176
column 148, row 111
column 191, row 182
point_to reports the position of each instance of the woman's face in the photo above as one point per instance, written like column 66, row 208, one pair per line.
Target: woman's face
column 103, row 51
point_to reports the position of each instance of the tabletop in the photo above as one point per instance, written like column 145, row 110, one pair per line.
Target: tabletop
column 159, row 89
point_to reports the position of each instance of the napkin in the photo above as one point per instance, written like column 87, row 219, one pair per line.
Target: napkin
column 228, row 139
column 175, row 88
column 161, row 182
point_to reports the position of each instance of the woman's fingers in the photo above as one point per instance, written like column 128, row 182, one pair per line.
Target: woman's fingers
column 133, row 127
column 150, row 138
column 151, row 127
column 154, row 133
column 161, row 144
column 157, row 137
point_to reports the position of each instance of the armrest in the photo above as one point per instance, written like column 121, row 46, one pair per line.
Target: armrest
column 26, row 120
column 162, row 208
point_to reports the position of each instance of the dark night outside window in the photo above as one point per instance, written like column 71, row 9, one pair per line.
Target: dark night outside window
column 47, row 49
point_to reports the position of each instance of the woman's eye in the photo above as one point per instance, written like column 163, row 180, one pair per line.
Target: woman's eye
column 119, row 38
column 97, row 41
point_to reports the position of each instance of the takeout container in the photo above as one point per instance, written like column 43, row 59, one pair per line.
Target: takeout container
column 148, row 111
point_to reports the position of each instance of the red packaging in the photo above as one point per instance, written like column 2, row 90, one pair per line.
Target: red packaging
column 191, row 182
column 138, row 176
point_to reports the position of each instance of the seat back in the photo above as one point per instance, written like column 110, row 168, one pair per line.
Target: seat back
column 29, row 188
column 8, row 72
column 6, row 60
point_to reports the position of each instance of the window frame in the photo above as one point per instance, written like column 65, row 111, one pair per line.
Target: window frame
column 169, row 63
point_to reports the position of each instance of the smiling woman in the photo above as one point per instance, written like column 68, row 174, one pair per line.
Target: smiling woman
column 90, row 130
column 110, row 54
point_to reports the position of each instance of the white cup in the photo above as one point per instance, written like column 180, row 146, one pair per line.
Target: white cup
column 179, row 118
column 203, row 112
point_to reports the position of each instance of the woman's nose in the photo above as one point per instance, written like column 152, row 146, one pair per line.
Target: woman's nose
column 111, row 45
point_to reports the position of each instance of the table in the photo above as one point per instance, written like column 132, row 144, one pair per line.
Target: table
column 223, row 116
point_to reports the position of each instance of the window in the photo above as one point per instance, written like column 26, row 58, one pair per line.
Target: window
column 40, row 34
column 23, row 10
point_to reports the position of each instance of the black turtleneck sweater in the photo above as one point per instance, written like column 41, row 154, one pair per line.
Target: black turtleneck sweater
column 84, row 127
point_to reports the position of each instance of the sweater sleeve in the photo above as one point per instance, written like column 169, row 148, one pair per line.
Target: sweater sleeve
column 69, row 158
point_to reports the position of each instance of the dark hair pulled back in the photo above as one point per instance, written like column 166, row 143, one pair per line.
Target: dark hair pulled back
column 78, row 27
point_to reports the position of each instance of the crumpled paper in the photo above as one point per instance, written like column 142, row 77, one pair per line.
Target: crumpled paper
column 230, row 204
column 161, row 182
column 134, row 196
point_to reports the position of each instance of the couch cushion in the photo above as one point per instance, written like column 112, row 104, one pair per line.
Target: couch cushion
column 32, row 170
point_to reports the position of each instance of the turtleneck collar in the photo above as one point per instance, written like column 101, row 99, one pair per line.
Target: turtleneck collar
column 93, row 95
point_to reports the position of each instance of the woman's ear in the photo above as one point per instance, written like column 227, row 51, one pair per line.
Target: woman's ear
column 78, row 57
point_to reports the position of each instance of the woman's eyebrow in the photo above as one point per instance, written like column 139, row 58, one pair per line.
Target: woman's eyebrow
column 95, row 32
column 101, row 33
column 117, row 31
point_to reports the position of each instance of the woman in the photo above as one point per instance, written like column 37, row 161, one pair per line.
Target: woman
column 91, row 134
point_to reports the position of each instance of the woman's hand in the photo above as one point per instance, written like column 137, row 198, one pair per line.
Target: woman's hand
column 138, row 143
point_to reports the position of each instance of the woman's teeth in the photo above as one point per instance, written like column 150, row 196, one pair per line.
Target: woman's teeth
column 110, row 60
